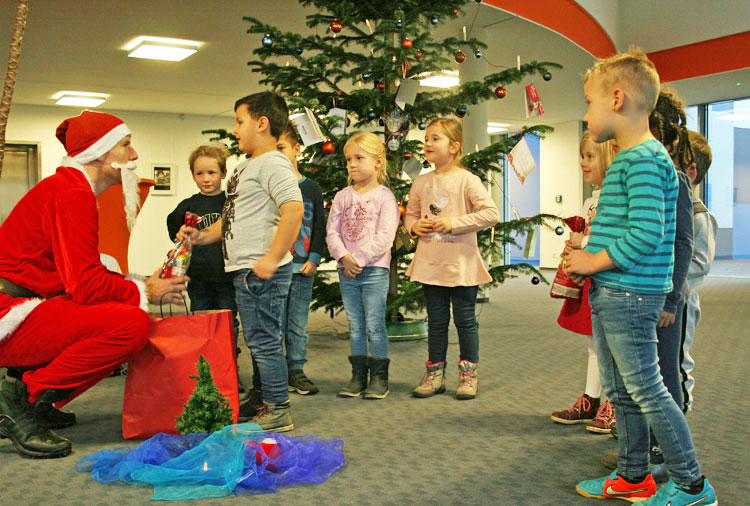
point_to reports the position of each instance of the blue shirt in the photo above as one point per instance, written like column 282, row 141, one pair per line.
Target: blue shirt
column 636, row 219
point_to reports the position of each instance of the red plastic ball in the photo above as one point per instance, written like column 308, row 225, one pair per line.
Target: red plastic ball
column 336, row 26
column 460, row 56
column 419, row 53
column 500, row 92
column 328, row 148
column 402, row 209
column 407, row 156
column 380, row 85
column 407, row 43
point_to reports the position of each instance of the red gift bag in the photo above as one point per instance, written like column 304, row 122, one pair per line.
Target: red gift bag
column 158, row 383
column 563, row 287
column 575, row 314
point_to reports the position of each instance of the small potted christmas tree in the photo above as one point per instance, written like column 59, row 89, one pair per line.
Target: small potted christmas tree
column 206, row 410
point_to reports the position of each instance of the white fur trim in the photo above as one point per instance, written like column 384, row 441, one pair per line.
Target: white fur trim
column 141, row 284
column 16, row 316
column 74, row 164
column 104, row 144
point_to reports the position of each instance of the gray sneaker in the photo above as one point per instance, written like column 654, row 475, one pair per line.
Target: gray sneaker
column 274, row 417
column 300, row 383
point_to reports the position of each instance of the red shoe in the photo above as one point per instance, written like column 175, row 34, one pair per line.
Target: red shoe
column 615, row 487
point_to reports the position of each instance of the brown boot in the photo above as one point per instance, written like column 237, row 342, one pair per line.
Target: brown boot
column 468, row 380
column 583, row 411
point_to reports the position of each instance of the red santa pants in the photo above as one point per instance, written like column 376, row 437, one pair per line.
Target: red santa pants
column 71, row 345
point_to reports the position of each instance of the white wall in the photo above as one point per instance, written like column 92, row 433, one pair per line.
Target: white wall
column 560, row 174
column 158, row 138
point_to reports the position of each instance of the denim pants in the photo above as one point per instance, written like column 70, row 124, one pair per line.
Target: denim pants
column 294, row 325
column 364, row 302
column 261, row 304
column 438, row 300
column 213, row 295
column 624, row 325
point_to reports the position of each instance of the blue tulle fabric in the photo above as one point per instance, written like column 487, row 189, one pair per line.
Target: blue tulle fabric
column 195, row 466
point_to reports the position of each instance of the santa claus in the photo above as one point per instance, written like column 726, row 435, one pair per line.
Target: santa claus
column 65, row 320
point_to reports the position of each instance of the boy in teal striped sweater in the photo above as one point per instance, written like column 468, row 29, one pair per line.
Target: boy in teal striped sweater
column 629, row 258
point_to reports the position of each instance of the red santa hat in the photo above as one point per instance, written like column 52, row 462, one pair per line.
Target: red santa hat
column 91, row 135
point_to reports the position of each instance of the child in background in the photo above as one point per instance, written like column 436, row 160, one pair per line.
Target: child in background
column 361, row 228
column 209, row 287
column 705, row 228
column 446, row 208
column 306, row 254
column 259, row 224
column 576, row 314
column 629, row 256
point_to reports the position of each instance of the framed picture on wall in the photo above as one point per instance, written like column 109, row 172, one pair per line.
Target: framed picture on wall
column 164, row 179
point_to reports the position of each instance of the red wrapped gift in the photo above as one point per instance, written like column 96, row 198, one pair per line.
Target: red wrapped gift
column 563, row 287
column 178, row 258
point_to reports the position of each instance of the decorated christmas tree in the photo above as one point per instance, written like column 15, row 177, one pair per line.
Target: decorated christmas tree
column 359, row 68
column 206, row 410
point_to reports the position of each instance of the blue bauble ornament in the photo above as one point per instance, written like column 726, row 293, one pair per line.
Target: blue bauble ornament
column 426, row 164
column 547, row 76
column 535, row 280
column 434, row 20
column 399, row 24
column 559, row 231
column 267, row 40
column 474, row 165
column 461, row 111
column 478, row 53
column 298, row 50
column 422, row 125
column 366, row 76
column 381, row 122
column 372, row 115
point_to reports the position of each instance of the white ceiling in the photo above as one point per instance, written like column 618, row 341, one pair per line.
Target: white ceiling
column 75, row 46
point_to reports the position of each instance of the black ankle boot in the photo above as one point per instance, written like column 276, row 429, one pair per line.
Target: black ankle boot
column 53, row 418
column 358, row 383
column 378, row 387
column 20, row 421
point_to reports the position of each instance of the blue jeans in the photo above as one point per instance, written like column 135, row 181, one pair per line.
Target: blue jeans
column 261, row 304
column 438, row 301
column 213, row 295
column 295, row 321
column 624, row 325
column 364, row 302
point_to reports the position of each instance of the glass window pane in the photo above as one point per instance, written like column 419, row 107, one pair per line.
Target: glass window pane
column 692, row 118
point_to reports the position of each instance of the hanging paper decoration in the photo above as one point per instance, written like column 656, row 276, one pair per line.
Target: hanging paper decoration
column 533, row 102
column 396, row 128
column 521, row 160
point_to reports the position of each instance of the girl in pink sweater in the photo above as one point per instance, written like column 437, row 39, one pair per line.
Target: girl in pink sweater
column 361, row 227
column 446, row 208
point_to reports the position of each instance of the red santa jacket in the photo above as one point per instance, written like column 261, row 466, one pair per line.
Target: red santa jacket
column 49, row 245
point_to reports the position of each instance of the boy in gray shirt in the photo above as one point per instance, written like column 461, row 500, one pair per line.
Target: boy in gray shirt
column 260, row 221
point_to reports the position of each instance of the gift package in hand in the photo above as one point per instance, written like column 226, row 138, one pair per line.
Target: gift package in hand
column 178, row 258
column 563, row 287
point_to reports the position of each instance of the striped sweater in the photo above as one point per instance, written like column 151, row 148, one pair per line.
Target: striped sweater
column 636, row 219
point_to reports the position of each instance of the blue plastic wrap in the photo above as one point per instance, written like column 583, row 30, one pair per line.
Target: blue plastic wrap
column 194, row 466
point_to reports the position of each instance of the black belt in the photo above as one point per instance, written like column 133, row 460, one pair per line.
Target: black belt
column 14, row 290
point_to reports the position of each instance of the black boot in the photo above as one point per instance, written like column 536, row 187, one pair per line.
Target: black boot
column 52, row 417
column 378, row 387
column 22, row 423
column 359, row 377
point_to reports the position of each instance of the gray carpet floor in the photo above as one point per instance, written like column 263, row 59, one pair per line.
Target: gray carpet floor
column 500, row 448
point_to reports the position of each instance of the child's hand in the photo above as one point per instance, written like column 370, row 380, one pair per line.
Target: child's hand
column 443, row 226
column 351, row 267
column 186, row 232
column 575, row 241
column 308, row 269
column 578, row 261
column 665, row 320
column 265, row 267
column 423, row 226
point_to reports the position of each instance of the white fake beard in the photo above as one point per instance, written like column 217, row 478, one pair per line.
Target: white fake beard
column 130, row 192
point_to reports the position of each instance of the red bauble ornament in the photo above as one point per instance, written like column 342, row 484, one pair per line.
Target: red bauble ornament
column 380, row 85
column 419, row 53
column 407, row 43
column 336, row 26
column 328, row 148
column 407, row 156
column 455, row 11
column 460, row 56
column 500, row 92
column 401, row 209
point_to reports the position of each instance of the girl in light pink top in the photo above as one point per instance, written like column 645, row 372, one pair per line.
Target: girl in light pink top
column 446, row 208
column 360, row 231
